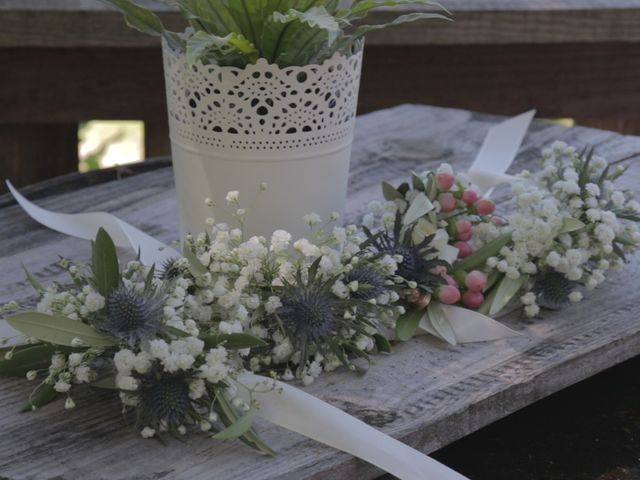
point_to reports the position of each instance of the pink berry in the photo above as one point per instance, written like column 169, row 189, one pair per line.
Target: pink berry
column 485, row 206
column 450, row 280
column 470, row 197
column 448, row 294
column 473, row 299
column 475, row 281
column 498, row 220
column 464, row 249
column 445, row 180
column 465, row 236
column 447, row 202
column 463, row 226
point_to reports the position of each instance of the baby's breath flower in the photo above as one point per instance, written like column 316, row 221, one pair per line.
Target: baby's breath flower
column 233, row 197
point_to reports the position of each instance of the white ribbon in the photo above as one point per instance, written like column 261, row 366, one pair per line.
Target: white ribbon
column 498, row 151
column 86, row 225
column 295, row 410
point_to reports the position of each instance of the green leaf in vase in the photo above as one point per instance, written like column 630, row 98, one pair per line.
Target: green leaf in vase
column 145, row 21
column 234, row 49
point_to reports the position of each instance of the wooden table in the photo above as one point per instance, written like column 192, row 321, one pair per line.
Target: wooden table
column 67, row 61
column 426, row 393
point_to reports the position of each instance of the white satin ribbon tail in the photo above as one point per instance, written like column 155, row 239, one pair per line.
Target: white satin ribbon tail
column 498, row 151
column 300, row 412
column 470, row 326
column 86, row 226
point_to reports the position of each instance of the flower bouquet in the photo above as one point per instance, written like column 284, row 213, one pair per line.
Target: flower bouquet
column 568, row 225
column 175, row 340
column 263, row 92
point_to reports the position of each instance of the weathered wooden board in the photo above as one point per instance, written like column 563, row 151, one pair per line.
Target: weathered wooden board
column 426, row 393
column 83, row 23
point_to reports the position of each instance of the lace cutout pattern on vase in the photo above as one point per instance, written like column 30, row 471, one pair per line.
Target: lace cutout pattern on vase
column 263, row 106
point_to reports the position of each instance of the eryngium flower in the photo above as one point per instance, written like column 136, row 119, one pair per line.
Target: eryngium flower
column 552, row 290
column 414, row 267
column 132, row 316
column 169, row 269
column 370, row 283
column 307, row 311
column 165, row 398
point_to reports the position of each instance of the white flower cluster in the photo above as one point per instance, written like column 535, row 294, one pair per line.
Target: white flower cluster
column 242, row 287
column 569, row 218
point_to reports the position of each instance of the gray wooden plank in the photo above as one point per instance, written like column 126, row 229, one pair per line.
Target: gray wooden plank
column 427, row 393
column 82, row 23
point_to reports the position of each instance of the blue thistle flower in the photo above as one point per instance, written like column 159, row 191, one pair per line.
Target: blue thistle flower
column 165, row 398
column 132, row 316
column 552, row 290
column 169, row 269
column 417, row 260
column 370, row 283
column 313, row 315
column 307, row 311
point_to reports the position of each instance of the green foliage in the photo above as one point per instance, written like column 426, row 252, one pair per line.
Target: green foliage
column 238, row 428
column 407, row 323
column 230, row 417
column 43, row 394
column 58, row 330
column 505, row 291
column 479, row 257
column 382, row 344
column 32, row 357
column 285, row 32
column 104, row 263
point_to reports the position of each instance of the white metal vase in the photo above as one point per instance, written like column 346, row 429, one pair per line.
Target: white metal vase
column 237, row 129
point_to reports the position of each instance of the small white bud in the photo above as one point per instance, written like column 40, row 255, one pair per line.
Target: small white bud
column 69, row 403
column 31, row 375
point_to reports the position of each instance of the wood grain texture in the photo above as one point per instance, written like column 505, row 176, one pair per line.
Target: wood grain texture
column 25, row 160
column 560, row 80
column 82, row 23
column 428, row 394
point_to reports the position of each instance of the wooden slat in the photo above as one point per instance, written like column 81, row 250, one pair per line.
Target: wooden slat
column 30, row 153
column 82, row 23
column 428, row 394
column 560, row 80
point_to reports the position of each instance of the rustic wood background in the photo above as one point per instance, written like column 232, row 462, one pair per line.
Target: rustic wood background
column 426, row 393
column 67, row 61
